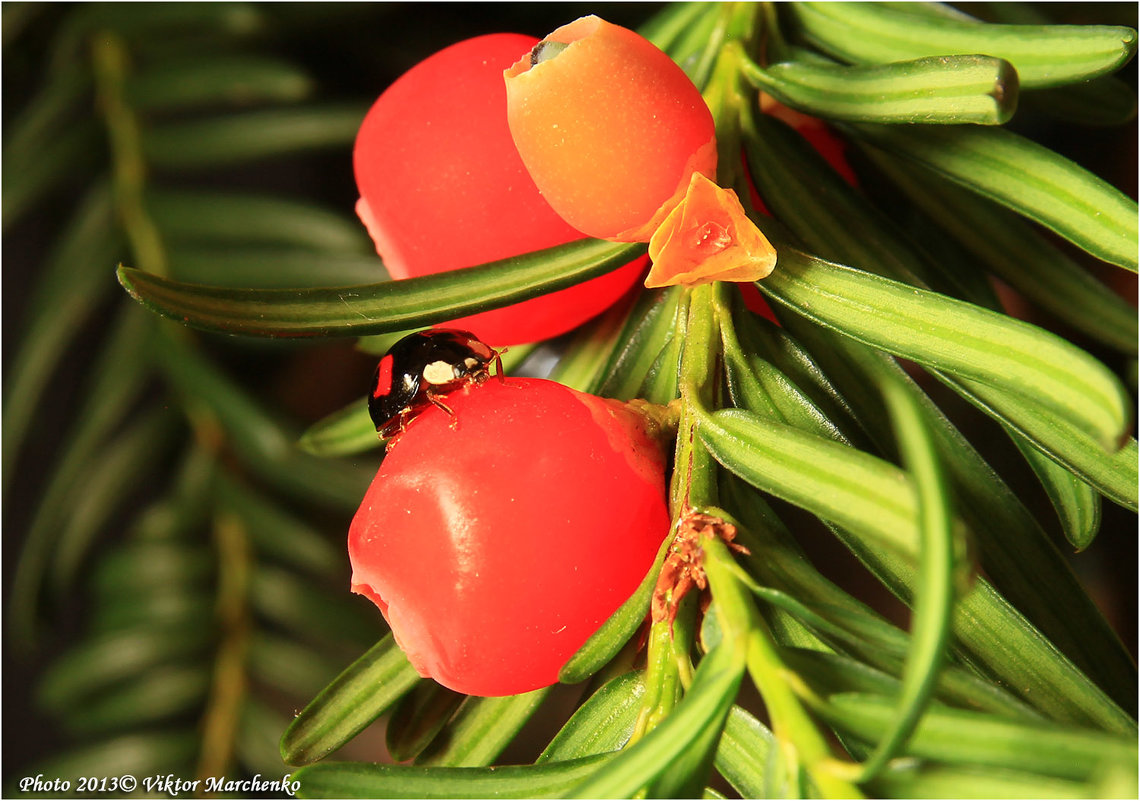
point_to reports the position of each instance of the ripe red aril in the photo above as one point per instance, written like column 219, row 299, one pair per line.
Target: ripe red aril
column 443, row 187
column 496, row 541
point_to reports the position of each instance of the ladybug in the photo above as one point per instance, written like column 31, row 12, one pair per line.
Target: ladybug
column 422, row 368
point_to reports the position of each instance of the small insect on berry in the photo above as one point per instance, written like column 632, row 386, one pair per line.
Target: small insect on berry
column 420, row 370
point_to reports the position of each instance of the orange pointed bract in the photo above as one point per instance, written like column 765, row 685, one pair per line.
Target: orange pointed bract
column 708, row 237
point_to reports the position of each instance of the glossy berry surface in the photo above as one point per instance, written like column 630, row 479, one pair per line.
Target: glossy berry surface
column 496, row 547
column 442, row 187
column 420, row 370
column 610, row 128
column 620, row 142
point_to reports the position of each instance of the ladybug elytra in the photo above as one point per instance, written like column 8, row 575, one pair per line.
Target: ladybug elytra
column 422, row 368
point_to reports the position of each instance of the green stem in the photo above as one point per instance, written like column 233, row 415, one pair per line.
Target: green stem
column 227, row 695
column 700, row 378
column 693, row 485
column 129, row 170
column 684, row 636
column 694, row 482
column 662, row 681
column 725, row 97
column 800, row 739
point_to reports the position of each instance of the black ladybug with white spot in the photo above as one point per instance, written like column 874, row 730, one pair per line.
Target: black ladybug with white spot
column 420, row 370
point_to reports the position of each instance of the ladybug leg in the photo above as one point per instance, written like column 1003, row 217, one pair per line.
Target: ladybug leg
column 499, row 364
column 395, row 428
column 431, row 396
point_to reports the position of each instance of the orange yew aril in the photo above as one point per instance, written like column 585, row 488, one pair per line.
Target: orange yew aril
column 610, row 129
column 622, row 145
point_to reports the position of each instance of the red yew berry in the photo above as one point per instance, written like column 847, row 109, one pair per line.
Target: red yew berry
column 442, row 187
column 496, row 541
column 622, row 145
